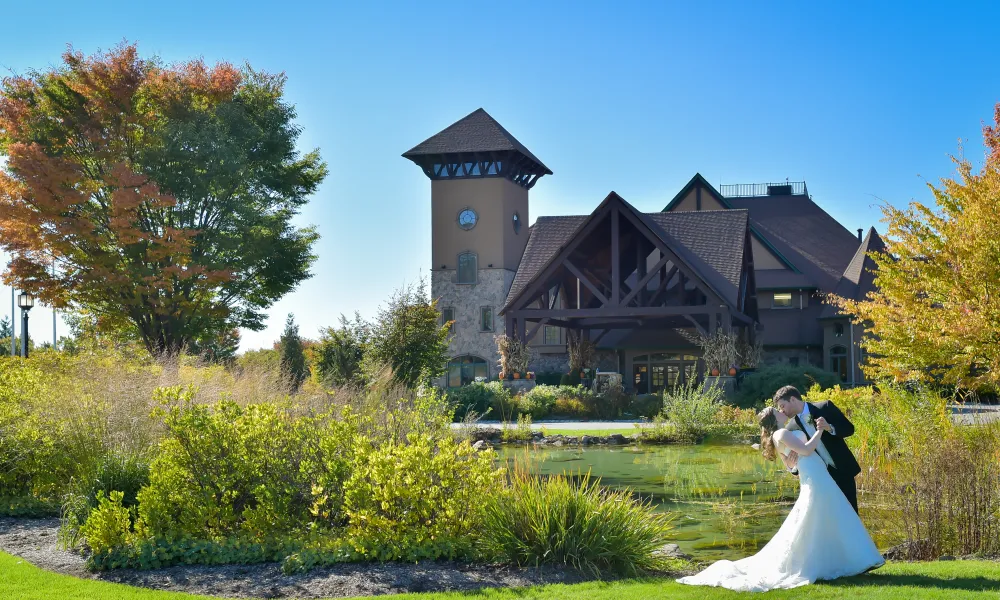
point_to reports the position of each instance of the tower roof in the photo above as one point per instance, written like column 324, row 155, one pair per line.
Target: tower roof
column 476, row 133
column 858, row 279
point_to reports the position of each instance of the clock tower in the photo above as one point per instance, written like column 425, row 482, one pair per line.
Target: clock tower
column 480, row 178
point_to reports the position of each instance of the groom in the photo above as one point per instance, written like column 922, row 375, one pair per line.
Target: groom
column 810, row 416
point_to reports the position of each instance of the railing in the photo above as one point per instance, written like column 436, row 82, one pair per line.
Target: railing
column 756, row 190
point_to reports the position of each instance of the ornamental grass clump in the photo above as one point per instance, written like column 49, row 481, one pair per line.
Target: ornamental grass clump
column 561, row 521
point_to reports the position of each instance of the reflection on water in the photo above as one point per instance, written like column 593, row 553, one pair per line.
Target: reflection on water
column 727, row 499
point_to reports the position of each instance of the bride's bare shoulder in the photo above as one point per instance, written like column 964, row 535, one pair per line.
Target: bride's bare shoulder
column 779, row 435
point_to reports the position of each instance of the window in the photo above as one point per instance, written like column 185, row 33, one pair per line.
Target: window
column 486, row 318
column 838, row 361
column 463, row 370
column 468, row 265
column 467, row 218
column 838, row 330
column 517, row 223
column 782, row 300
column 448, row 315
column 552, row 336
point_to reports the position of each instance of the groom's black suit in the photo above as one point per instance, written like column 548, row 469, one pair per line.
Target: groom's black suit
column 847, row 467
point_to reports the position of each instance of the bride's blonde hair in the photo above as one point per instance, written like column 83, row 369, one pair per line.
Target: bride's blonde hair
column 768, row 425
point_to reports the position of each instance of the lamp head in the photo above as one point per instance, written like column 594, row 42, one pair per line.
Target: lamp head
column 25, row 301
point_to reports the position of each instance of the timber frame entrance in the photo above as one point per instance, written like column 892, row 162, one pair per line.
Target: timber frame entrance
column 621, row 270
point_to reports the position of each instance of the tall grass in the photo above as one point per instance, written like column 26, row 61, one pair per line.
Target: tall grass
column 556, row 521
column 925, row 482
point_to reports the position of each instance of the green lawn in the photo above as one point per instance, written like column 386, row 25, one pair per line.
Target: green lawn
column 898, row 581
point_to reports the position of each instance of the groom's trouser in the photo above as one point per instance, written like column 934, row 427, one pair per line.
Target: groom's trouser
column 846, row 485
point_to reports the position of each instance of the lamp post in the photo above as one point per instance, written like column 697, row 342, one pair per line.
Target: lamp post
column 26, row 302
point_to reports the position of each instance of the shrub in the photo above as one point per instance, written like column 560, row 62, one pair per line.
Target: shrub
column 108, row 525
column 401, row 497
column 477, row 397
column 757, row 388
column 570, row 379
column 692, row 408
column 645, row 405
column 539, row 401
column 549, row 378
column 660, row 431
column 737, row 424
column 553, row 520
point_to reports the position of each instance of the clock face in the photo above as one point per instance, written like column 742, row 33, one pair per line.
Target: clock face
column 467, row 219
column 517, row 223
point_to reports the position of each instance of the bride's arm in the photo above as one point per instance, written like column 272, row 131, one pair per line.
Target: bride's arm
column 785, row 437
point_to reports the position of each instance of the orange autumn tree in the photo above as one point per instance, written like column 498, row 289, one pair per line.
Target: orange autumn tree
column 163, row 193
column 936, row 313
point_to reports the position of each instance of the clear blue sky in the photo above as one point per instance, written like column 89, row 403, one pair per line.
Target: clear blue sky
column 865, row 102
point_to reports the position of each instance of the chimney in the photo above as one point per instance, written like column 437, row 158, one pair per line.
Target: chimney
column 859, row 234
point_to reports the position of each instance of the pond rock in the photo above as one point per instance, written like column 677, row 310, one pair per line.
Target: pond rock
column 672, row 551
column 587, row 440
column 616, row 438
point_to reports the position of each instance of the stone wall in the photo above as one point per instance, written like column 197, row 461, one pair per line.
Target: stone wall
column 784, row 356
column 467, row 337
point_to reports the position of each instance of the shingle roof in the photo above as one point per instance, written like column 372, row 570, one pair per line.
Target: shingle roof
column 545, row 238
column 710, row 242
column 477, row 132
column 781, row 279
column 859, row 276
column 805, row 234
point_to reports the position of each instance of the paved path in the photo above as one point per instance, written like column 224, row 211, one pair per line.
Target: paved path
column 966, row 414
column 566, row 425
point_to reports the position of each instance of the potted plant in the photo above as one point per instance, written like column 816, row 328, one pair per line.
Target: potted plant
column 514, row 355
column 718, row 351
column 715, row 371
column 581, row 353
column 732, row 370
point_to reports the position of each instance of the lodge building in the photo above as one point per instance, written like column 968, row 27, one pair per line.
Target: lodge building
column 754, row 259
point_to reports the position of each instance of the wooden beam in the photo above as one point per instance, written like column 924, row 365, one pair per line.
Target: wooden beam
column 585, row 280
column 645, row 280
column 690, row 273
column 520, row 330
column 613, row 311
column 615, row 258
column 727, row 321
column 696, row 324
column 534, row 330
column 663, row 284
column 554, row 264
column 599, row 337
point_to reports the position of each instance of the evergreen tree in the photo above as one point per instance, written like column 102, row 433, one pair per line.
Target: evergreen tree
column 293, row 356
column 408, row 337
column 340, row 351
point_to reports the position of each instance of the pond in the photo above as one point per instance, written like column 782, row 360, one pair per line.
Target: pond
column 727, row 500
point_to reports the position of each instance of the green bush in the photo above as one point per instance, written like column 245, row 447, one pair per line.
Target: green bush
column 757, row 388
column 545, row 521
column 539, row 401
column 401, row 497
column 645, row 405
column 109, row 525
column 692, row 408
column 569, row 379
column 477, row 397
column 227, row 470
column 550, row 378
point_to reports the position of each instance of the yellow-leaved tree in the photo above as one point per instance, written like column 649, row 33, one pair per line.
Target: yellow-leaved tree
column 935, row 315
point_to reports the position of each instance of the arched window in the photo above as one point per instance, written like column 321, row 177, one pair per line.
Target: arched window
column 463, row 370
column 468, row 265
column 838, row 361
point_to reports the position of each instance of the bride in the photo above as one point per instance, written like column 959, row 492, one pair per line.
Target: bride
column 822, row 537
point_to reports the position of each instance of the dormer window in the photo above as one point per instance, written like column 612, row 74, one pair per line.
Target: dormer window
column 468, row 267
column 782, row 300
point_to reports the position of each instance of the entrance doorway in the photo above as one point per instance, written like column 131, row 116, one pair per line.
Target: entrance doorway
column 653, row 373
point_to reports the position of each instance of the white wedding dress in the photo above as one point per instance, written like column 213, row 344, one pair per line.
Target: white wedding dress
column 822, row 538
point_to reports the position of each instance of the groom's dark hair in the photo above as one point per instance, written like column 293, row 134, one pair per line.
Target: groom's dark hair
column 789, row 392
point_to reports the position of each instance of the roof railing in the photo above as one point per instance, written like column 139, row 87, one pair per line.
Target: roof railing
column 759, row 190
